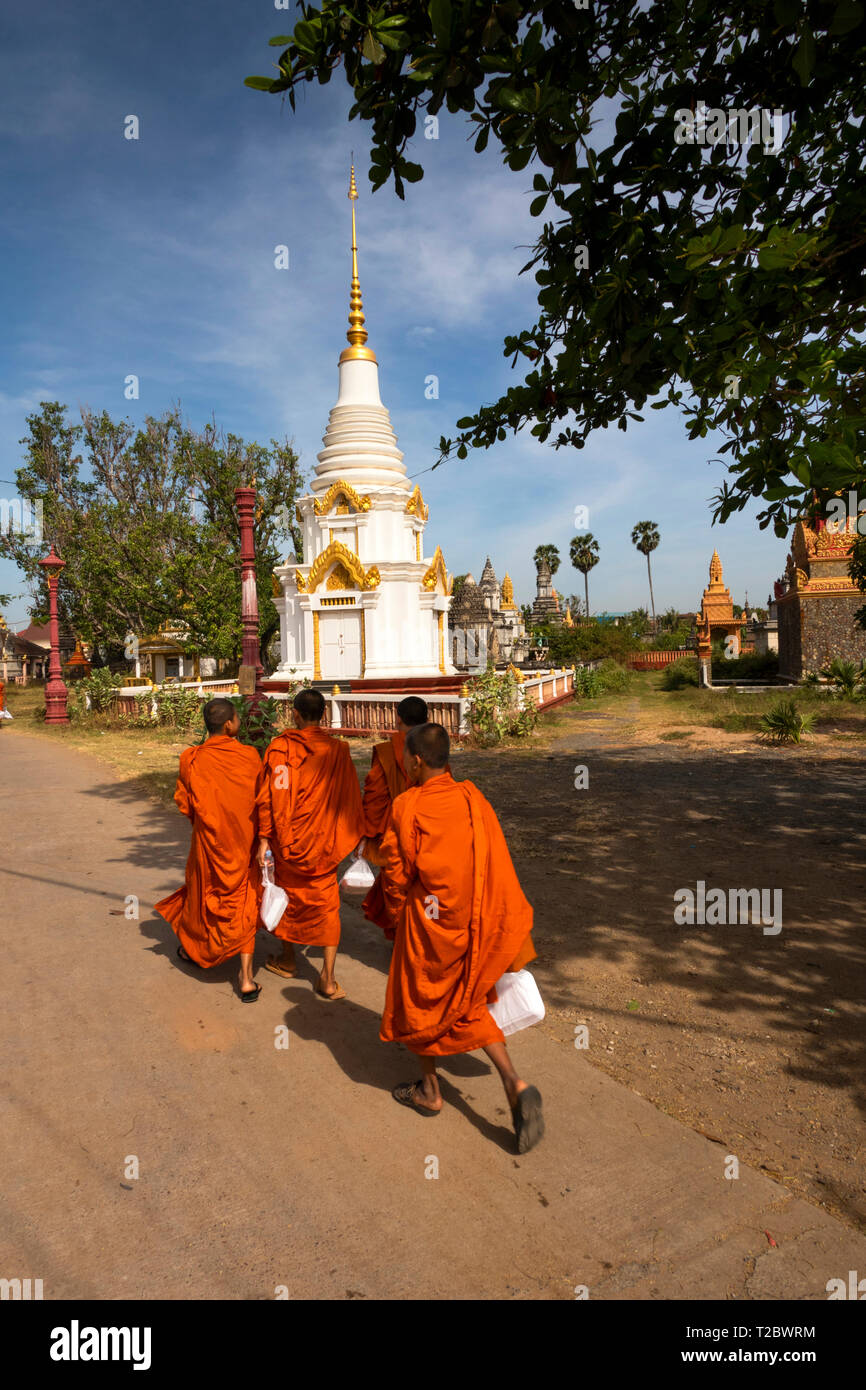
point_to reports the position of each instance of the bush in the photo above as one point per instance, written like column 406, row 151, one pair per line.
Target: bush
column 99, row 686
column 752, row 666
column 784, row 723
column 680, row 674
column 613, row 676
column 496, row 710
column 587, row 684
column 847, row 679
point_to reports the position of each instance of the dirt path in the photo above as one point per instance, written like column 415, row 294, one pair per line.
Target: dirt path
column 261, row 1167
column 755, row 1039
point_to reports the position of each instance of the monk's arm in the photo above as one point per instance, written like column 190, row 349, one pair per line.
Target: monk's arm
column 264, row 809
column 181, row 792
column 398, row 869
column 377, row 800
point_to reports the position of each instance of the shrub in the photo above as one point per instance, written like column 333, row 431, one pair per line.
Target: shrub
column 752, row 666
column 784, row 723
column 846, row 678
column 680, row 674
column 587, row 683
column 496, row 710
column 99, row 687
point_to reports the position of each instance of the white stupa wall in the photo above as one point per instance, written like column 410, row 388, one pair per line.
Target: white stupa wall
column 391, row 628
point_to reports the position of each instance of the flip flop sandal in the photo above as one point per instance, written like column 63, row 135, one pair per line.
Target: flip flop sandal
column 339, row 993
column 251, row 995
column 278, row 969
column 528, row 1119
column 405, row 1094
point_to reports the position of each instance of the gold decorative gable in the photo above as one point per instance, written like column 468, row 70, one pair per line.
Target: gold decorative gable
column 416, row 505
column 436, row 574
column 346, row 563
column 344, row 490
column 340, row 578
column 276, row 587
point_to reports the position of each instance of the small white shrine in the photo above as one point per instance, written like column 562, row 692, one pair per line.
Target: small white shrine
column 366, row 603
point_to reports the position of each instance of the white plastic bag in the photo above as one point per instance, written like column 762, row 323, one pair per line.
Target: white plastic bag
column 274, row 899
column 358, row 878
column 519, row 1003
column 4, row 714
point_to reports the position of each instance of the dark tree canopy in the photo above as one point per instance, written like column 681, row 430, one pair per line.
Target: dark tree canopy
column 671, row 268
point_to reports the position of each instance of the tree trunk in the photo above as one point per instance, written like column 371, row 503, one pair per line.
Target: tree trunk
column 586, row 591
column 652, row 600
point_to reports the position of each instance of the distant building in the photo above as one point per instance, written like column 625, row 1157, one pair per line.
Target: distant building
column 486, row 623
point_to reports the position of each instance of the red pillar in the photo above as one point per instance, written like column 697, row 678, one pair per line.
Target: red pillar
column 245, row 501
column 55, row 691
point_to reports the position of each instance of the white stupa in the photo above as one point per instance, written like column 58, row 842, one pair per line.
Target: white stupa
column 366, row 603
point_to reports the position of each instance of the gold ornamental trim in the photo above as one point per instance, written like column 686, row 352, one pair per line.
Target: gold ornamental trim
column 338, row 554
column 441, row 616
column 323, row 505
column 416, row 506
column 317, row 666
column 437, row 573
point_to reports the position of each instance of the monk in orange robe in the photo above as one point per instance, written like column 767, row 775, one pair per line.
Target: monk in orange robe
column 215, row 914
column 310, row 816
column 385, row 781
column 461, row 922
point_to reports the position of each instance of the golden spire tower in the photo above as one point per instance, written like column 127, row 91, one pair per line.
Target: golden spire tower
column 357, row 334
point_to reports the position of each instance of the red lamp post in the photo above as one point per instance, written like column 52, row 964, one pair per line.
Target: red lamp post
column 56, row 693
column 245, row 501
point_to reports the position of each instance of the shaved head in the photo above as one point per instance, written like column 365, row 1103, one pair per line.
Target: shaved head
column 310, row 705
column 217, row 714
column 412, row 710
column 430, row 743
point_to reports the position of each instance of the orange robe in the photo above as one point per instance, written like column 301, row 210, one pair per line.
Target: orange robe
column 385, row 781
column 310, row 810
column 215, row 914
column 460, row 915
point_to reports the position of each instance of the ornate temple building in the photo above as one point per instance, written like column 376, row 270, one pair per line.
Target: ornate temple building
column 366, row 602
column 816, row 600
column 546, row 608
column 486, row 623
column 716, row 621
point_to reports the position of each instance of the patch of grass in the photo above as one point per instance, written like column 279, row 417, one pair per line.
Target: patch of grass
column 674, row 734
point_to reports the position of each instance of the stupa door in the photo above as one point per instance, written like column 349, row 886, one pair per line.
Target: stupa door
column 340, row 634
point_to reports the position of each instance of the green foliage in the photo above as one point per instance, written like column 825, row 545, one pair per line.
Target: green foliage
column 680, row 674
column 456, row 586
column 139, row 552
column 847, row 680
column 99, row 686
column 784, row 723
column 706, row 265
column 751, row 666
column 495, row 710
column 583, row 553
column 259, row 727
column 587, row 683
column 645, row 536
column 587, row 641
column 614, row 677
column 548, row 553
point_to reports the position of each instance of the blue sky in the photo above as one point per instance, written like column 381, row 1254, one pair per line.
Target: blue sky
column 156, row 257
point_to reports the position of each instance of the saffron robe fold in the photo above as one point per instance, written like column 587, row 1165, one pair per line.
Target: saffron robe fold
column 215, row 914
column 460, row 915
column 310, row 810
column 385, row 781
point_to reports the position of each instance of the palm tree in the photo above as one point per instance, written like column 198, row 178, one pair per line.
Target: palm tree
column 646, row 537
column 583, row 551
column 548, row 553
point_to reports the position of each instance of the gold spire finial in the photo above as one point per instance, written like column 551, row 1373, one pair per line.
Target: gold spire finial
column 357, row 334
